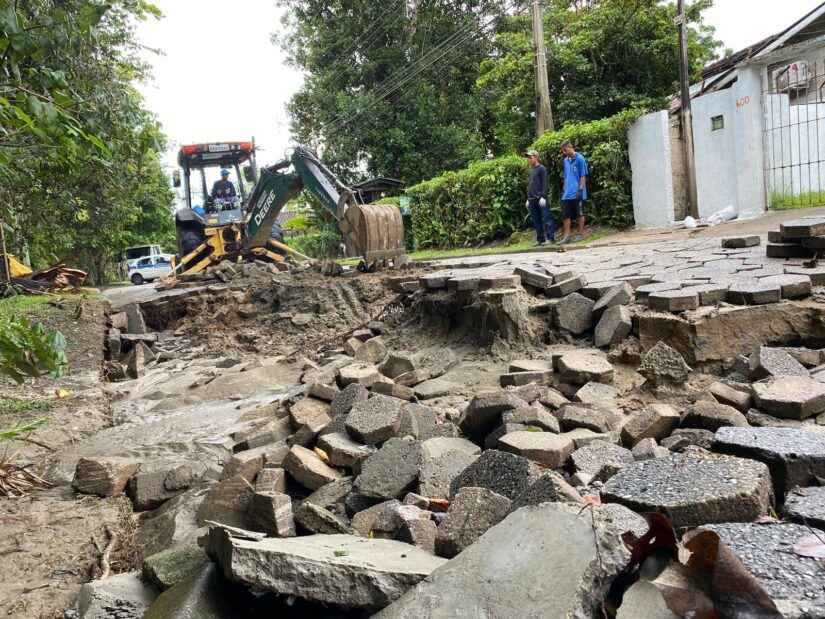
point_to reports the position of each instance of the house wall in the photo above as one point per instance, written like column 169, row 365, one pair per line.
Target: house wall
column 715, row 153
column 650, row 161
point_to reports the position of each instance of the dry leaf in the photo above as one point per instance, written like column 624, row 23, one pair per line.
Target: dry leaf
column 62, row 394
column 811, row 546
column 322, row 454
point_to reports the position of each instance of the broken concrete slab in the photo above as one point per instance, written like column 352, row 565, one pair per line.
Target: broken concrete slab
column 615, row 324
column 170, row 567
column 790, row 397
column 308, row 469
column 582, row 367
column 656, row 422
column 792, row 581
column 725, row 394
column 472, row 512
column 342, row 570
column 662, row 365
column 375, row 420
column 795, row 457
column 766, row 362
column 391, row 471
column 806, row 506
column 694, row 490
column 123, row 595
column 545, row 448
column 483, row 413
column 103, row 477
column 574, row 313
column 711, row 416
column 488, row 579
column 502, row 472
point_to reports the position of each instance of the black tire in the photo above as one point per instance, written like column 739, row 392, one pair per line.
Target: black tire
column 137, row 279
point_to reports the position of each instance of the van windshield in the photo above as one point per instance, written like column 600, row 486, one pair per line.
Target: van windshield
column 137, row 252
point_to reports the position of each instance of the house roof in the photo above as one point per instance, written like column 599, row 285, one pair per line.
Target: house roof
column 382, row 182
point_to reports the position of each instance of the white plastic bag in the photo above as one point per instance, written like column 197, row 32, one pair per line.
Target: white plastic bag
column 726, row 214
column 690, row 222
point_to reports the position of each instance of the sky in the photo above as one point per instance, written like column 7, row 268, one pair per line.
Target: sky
column 220, row 78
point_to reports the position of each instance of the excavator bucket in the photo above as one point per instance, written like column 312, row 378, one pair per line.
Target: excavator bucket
column 374, row 231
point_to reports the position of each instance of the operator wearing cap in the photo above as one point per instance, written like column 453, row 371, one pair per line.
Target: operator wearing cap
column 223, row 188
column 537, row 204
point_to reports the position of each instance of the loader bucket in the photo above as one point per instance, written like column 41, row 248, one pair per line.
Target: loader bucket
column 374, row 231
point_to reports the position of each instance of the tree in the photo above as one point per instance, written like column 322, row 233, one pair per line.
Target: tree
column 604, row 56
column 80, row 176
column 354, row 51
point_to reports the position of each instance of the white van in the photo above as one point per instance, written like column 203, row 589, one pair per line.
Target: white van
column 149, row 269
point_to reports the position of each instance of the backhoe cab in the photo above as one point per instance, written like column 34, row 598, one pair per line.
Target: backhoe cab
column 244, row 230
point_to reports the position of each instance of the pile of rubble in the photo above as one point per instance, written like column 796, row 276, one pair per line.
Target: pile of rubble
column 800, row 238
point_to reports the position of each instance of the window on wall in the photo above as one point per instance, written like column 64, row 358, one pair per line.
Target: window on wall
column 717, row 123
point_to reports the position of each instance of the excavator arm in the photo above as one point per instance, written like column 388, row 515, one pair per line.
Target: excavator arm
column 372, row 231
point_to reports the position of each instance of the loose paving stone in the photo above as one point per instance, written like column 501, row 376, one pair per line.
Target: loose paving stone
column 622, row 294
column 663, row 365
column 504, row 473
column 588, row 417
column 308, row 469
column 103, row 476
column 814, row 242
column 644, row 599
column 806, row 506
column 317, row 519
column 343, row 451
column 787, row 250
column 351, row 346
column 361, row 373
column 600, row 457
column 271, row 513
column 500, row 282
column 433, row 388
column 766, row 362
column 396, row 364
column 613, row 328
column 341, row 570
column 569, row 286
column 422, row 422
column 758, row 419
column 374, row 351
column 807, row 357
column 311, row 413
column 519, row 379
column 647, row 449
column 442, row 459
column 643, row 292
column 545, row 448
column 683, row 438
column 227, row 503
column 582, row 367
column 168, row 568
column 802, row 228
column 327, row 393
column 472, row 512
column 122, row 595
column 375, row 420
column 270, row 480
column 673, row 301
column 364, row 521
column 694, row 491
column 709, row 294
column 790, row 397
column 333, row 496
column 483, row 413
column 416, row 377
column 711, row 416
column 724, row 394
column 795, row 457
column 654, row 422
column 793, row 582
column 535, row 416
column 738, row 242
column 792, row 286
column 552, row 399
column 595, row 290
column 489, row 579
column 550, row 487
column 148, row 489
column 534, row 278
column 531, row 365
column 391, row 471
column 753, row 292
column 597, row 393
column 574, row 313
column 817, row 274
column 393, row 390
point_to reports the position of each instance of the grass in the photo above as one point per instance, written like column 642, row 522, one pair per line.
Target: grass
column 790, row 201
column 15, row 411
column 23, row 305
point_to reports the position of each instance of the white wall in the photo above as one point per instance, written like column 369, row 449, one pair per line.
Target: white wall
column 748, row 109
column 650, row 161
column 715, row 153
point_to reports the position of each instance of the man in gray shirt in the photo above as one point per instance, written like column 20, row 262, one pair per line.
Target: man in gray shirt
column 537, row 203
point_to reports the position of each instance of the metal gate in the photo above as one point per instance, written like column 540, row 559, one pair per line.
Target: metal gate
column 794, row 136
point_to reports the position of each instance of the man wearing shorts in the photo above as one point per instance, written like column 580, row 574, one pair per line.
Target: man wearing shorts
column 574, row 194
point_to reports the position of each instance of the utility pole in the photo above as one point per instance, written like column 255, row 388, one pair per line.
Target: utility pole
column 544, row 110
column 686, row 114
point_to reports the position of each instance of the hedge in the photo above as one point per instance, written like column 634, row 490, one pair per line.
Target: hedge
column 485, row 201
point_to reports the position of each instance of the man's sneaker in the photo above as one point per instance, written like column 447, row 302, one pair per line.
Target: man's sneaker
column 578, row 238
column 564, row 241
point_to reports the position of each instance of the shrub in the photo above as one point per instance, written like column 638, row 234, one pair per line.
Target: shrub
column 323, row 244
column 486, row 200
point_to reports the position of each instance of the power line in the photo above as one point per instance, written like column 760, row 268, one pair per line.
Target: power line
column 380, row 25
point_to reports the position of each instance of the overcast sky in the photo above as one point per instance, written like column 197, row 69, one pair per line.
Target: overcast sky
column 220, row 77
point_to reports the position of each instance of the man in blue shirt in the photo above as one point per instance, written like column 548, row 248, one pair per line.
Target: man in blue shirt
column 574, row 194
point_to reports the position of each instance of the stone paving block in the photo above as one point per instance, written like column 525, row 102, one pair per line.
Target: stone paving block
column 592, row 458
column 643, row 292
column 103, row 476
column 310, row 412
column 793, row 582
column 790, row 397
column 582, row 367
column 569, row 286
column 684, row 438
column 711, row 416
column 534, row 278
column 391, row 471
column 396, row 364
column 663, row 365
column 270, row 480
column 375, row 420
column 753, row 292
column 364, row 521
column 308, row 469
column 552, row 398
column 148, row 490
column 803, row 228
column 531, row 365
column 472, row 512
column 433, row 388
column 766, row 362
column 709, row 294
column 362, row 373
column 317, row 519
column 647, row 449
column 725, row 394
column 271, row 513
column 546, row 448
column 787, row 250
column 792, row 286
column 795, row 457
column 442, row 460
column 673, row 301
column 343, row 451
column 775, row 236
column 393, row 390
column 655, row 422
column 327, row 393
column 227, row 502
column 595, row 290
column 483, row 413
column 574, row 313
column 595, row 418
column 519, row 379
column 738, row 242
column 693, row 490
column 373, row 351
column 613, row 328
column 621, row 294
column 549, row 487
column 597, row 393
column 817, row 274
column 535, row 416
column 500, row 282
column 806, row 506
column 435, row 281
column 504, row 473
